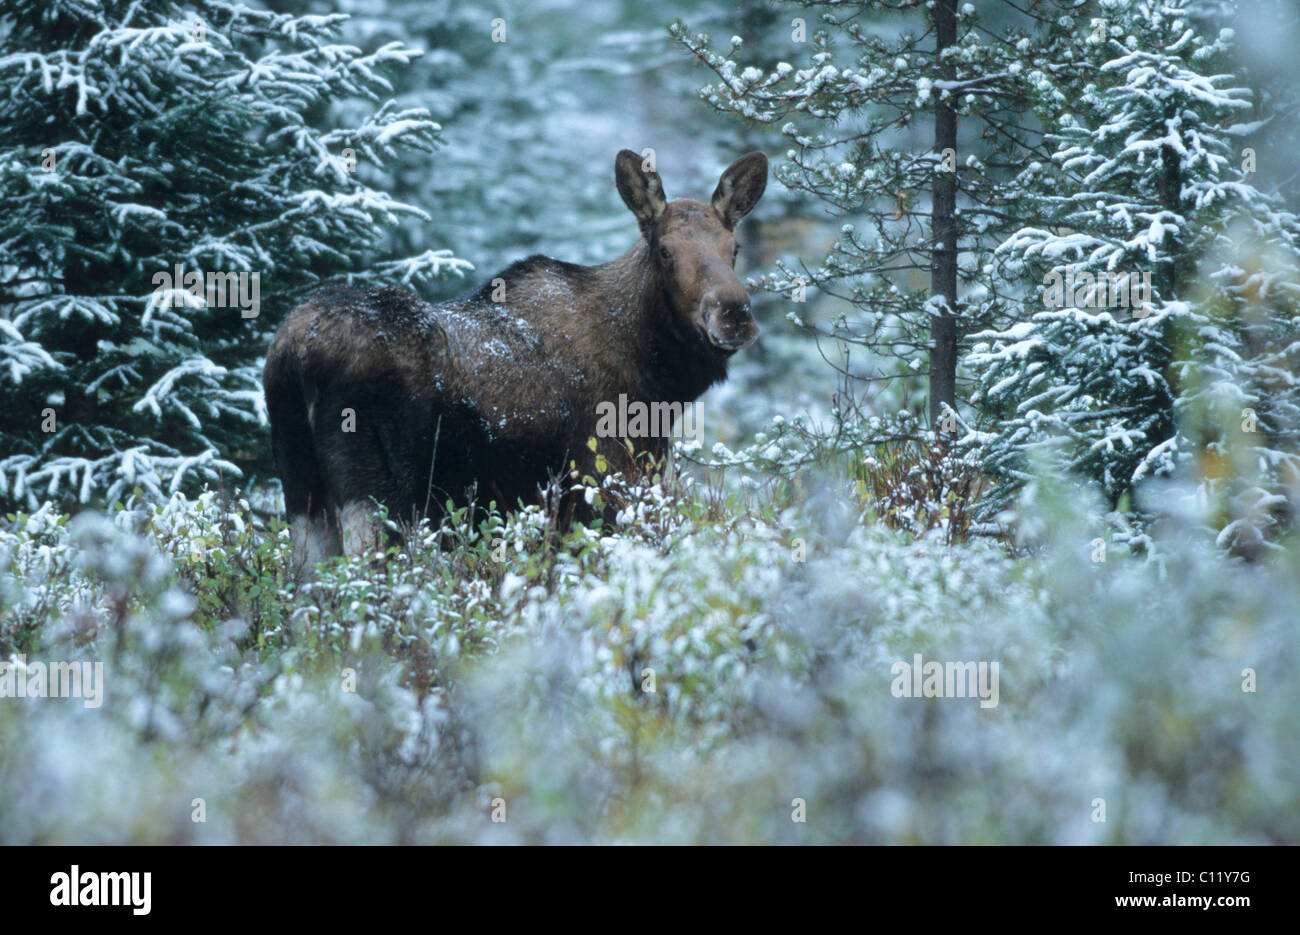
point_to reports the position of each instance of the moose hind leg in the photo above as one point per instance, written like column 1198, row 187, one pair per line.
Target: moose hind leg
column 311, row 538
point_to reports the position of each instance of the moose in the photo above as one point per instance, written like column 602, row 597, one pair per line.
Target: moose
column 376, row 396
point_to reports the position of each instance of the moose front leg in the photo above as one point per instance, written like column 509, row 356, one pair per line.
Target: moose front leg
column 359, row 527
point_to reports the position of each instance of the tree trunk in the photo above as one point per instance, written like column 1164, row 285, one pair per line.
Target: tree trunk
column 943, row 274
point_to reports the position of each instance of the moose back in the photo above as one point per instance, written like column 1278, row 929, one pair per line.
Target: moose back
column 375, row 395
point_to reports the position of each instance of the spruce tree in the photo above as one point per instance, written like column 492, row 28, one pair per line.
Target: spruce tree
column 137, row 136
column 1160, row 327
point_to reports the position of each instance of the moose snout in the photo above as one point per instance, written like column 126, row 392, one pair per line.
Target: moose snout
column 728, row 322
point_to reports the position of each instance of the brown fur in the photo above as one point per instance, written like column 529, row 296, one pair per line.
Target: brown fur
column 508, row 390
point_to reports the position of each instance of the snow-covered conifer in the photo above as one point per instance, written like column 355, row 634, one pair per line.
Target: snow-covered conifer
column 149, row 141
column 1159, row 328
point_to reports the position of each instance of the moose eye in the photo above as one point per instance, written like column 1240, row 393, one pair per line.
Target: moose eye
column 665, row 253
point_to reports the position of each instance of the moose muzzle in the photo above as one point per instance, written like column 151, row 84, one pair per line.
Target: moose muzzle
column 727, row 321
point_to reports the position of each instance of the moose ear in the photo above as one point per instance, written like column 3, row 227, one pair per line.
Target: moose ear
column 641, row 188
column 740, row 188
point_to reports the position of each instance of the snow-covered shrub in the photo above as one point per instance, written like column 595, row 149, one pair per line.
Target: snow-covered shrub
column 655, row 681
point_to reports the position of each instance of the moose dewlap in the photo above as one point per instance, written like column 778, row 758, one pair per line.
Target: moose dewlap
column 376, row 396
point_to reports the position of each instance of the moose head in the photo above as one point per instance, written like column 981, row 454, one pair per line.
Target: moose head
column 693, row 249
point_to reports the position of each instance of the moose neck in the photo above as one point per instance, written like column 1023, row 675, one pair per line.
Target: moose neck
column 660, row 356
